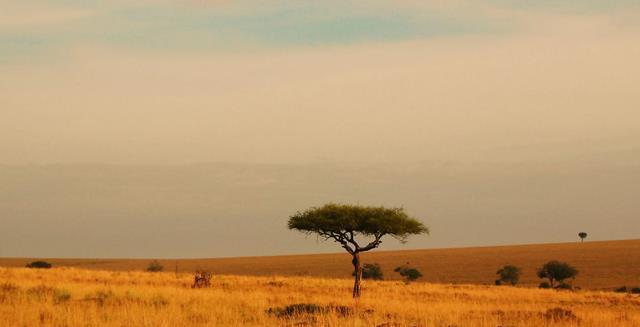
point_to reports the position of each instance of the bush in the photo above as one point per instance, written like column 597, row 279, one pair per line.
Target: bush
column 309, row 309
column 557, row 271
column 559, row 315
column 508, row 275
column 101, row 297
column 39, row 265
column 498, row 282
column 564, row 286
column 371, row 271
column 544, row 285
column 9, row 287
column 635, row 290
column 155, row 266
column 409, row 274
column 622, row 289
column 61, row 296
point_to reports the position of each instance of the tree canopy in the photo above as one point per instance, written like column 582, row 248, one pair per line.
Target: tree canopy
column 343, row 223
column 509, row 274
column 556, row 270
column 582, row 235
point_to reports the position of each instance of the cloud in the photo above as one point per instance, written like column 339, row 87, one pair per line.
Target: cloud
column 226, row 27
column 27, row 17
column 413, row 100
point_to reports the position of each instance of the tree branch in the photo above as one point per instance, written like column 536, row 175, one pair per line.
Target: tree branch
column 352, row 240
column 374, row 244
column 340, row 238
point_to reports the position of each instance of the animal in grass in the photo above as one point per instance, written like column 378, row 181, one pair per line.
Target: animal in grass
column 201, row 279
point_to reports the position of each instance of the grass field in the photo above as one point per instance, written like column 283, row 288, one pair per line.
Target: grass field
column 75, row 297
column 602, row 265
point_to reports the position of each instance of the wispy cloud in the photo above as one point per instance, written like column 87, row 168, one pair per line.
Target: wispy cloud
column 194, row 26
column 39, row 17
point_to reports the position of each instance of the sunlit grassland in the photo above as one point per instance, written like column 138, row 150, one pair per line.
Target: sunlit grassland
column 74, row 297
column 602, row 265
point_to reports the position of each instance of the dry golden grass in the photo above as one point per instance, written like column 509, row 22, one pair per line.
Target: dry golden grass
column 602, row 265
column 74, row 297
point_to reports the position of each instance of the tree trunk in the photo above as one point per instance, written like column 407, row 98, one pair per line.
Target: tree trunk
column 357, row 274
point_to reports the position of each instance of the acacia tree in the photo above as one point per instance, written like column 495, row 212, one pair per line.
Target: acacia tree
column 344, row 223
column 557, row 271
column 508, row 274
column 582, row 236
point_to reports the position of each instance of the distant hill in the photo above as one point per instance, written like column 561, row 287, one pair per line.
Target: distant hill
column 602, row 265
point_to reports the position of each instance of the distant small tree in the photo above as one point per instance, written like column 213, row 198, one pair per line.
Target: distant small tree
column 409, row 274
column 622, row 289
column 371, row 271
column 582, row 236
column 155, row 266
column 39, row 265
column 508, row 275
column 345, row 223
column 556, row 271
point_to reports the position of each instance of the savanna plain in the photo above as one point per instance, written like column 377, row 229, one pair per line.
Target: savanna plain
column 74, row 295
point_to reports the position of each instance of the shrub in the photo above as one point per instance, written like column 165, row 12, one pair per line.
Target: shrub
column 39, row 265
column 61, row 296
column 9, row 287
column 544, row 285
column 310, row 309
column 564, row 286
column 159, row 301
column 40, row 292
column 635, row 290
column 622, row 289
column 560, row 315
column 409, row 274
column 371, row 271
column 557, row 271
column 498, row 282
column 508, row 275
column 296, row 309
column 155, row 266
column 101, row 297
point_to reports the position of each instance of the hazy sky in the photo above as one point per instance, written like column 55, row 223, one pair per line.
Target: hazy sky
column 193, row 81
column 302, row 82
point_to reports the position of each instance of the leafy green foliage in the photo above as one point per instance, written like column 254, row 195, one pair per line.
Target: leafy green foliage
column 371, row 271
column 557, row 271
column 340, row 219
column 409, row 274
column 508, row 275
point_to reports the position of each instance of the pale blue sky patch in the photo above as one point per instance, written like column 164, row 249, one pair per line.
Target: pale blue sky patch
column 188, row 28
column 42, row 28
